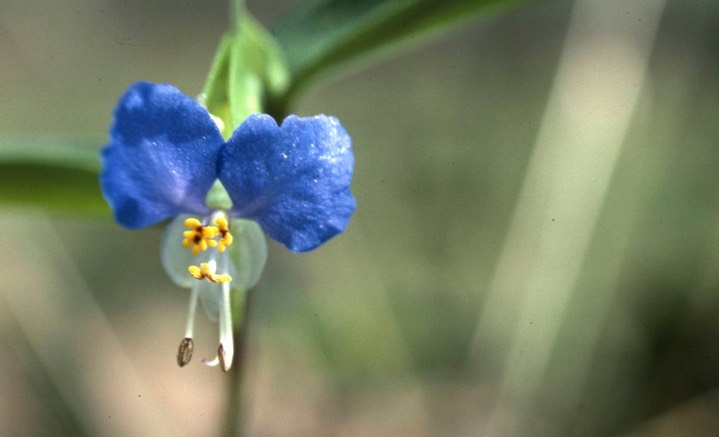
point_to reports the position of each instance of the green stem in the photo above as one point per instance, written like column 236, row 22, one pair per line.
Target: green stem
column 237, row 11
column 236, row 413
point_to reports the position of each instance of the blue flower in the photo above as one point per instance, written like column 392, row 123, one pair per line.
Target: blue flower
column 165, row 155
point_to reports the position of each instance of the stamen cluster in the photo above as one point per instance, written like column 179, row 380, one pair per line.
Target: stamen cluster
column 199, row 237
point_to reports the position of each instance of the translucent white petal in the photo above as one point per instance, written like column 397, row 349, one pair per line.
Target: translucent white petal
column 175, row 258
column 248, row 254
column 210, row 296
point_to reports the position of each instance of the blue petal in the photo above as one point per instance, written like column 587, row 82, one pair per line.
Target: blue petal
column 162, row 156
column 293, row 180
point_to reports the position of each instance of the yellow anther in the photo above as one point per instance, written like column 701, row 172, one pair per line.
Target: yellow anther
column 192, row 223
column 224, row 231
column 204, row 271
column 199, row 237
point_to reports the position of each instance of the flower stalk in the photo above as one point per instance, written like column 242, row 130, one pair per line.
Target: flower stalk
column 236, row 413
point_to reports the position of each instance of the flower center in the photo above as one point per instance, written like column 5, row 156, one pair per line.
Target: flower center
column 199, row 236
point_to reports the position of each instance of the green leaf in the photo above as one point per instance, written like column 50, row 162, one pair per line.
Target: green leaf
column 324, row 34
column 249, row 68
column 52, row 174
column 215, row 92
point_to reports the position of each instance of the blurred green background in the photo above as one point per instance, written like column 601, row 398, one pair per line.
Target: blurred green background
column 535, row 251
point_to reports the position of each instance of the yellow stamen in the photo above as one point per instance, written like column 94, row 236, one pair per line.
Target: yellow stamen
column 226, row 238
column 199, row 237
column 204, row 271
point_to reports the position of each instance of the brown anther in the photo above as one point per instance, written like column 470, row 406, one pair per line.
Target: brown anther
column 184, row 353
column 221, row 357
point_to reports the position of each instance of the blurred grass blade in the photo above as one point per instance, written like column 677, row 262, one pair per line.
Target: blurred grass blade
column 40, row 172
column 322, row 34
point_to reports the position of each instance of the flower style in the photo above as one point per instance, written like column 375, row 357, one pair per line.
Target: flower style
column 166, row 154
